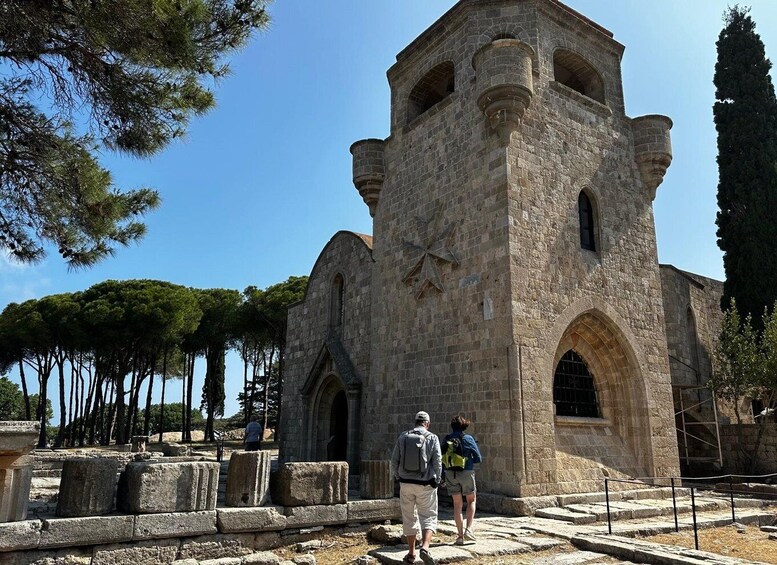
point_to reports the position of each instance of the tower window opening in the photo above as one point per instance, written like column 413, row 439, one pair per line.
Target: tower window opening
column 434, row 87
column 571, row 70
column 336, row 302
column 586, row 214
column 574, row 393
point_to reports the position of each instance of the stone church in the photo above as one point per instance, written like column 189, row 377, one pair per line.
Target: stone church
column 512, row 274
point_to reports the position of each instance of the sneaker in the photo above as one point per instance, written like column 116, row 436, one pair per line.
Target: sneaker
column 427, row 558
column 459, row 541
column 469, row 536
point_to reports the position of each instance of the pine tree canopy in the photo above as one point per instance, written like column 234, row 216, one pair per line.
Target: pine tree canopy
column 746, row 121
column 130, row 74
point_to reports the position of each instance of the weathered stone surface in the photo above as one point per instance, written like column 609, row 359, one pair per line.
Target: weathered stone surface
column 304, row 560
column 92, row 530
column 303, row 516
column 389, row 534
column 157, row 487
column 174, row 524
column 222, row 561
column 18, row 438
column 566, row 515
column 70, row 556
column 373, row 510
column 19, row 535
column 442, row 553
column 171, row 449
column 527, row 506
column 310, row 484
column 486, row 547
column 253, row 519
column 261, row 558
column 88, row 487
column 137, row 553
column 248, row 479
column 267, row 540
column 15, row 481
column 376, row 480
column 217, row 546
column 139, row 444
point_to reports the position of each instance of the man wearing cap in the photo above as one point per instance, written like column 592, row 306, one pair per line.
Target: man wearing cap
column 417, row 463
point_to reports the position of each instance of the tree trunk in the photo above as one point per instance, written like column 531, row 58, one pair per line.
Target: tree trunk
column 147, row 411
column 71, row 415
column 189, row 388
column 184, row 380
column 134, row 392
column 60, row 362
column 246, row 406
column 27, row 408
column 162, row 401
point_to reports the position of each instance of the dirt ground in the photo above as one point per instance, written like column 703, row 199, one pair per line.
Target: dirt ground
column 751, row 544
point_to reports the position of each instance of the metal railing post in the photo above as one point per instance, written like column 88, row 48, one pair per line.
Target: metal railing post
column 607, row 500
column 731, row 493
column 674, row 506
column 693, row 509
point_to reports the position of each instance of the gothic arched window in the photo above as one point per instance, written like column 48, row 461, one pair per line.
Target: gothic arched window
column 574, row 393
column 336, row 302
column 435, row 85
column 571, row 70
column 585, row 209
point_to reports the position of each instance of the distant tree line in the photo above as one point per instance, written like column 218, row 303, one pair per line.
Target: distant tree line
column 108, row 341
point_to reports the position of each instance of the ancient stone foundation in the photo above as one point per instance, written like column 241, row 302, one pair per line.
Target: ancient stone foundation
column 157, row 487
column 88, row 487
column 16, row 440
column 376, row 480
column 308, row 484
column 248, row 479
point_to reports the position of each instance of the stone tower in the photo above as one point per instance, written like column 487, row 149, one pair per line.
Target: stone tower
column 512, row 275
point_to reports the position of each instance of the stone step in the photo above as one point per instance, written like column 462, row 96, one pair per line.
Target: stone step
column 587, row 513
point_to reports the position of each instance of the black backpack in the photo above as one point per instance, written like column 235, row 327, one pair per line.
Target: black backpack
column 454, row 458
column 413, row 452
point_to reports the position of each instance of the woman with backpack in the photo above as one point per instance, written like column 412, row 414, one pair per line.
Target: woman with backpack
column 460, row 453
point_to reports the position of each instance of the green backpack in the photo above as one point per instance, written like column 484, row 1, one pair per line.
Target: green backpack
column 454, row 459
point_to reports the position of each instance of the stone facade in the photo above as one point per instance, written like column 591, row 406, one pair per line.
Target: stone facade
column 477, row 280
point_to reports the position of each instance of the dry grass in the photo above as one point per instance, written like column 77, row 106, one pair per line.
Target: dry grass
column 752, row 544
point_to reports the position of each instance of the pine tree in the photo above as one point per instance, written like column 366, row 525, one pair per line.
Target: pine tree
column 746, row 120
column 130, row 74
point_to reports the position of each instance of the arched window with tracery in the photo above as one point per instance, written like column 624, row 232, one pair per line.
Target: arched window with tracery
column 574, row 393
column 571, row 70
column 587, row 215
column 336, row 302
column 435, row 86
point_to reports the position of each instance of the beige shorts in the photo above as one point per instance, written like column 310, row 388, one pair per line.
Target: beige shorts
column 460, row 482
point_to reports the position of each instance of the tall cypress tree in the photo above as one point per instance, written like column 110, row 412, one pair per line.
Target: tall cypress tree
column 746, row 120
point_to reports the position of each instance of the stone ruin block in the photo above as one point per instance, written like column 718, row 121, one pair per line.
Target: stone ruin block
column 158, row 487
column 88, row 487
column 139, row 444
column 248, row 479
column 171, row 449
column 310, row 484
column 17, row 439
column 376, row 481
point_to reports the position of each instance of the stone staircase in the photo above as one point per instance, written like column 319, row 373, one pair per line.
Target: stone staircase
column 591, row 508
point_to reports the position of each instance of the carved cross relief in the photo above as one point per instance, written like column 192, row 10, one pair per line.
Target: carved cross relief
column 431, row 247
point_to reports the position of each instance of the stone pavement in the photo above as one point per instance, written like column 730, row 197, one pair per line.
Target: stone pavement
column 586, row 541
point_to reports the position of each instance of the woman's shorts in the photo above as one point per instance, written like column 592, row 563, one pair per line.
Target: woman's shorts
column 460, row 482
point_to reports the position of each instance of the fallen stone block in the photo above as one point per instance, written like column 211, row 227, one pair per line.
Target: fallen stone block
column 388, row 534
column 155, row 487
column 539, row 543
column 304, row 560
column 222, row 561
column 174, row 524
column 136, row 553
column 261, row 558
column 139, row 444
column 91, row 530
column 375, row 481
column 248, row 479
column 17, row 439
column 88, row 487
column 373, row 510
column 527, row 506
column 217, row 546
column 253, row 519
column 19, row 535
column 267, row 540
column 492, row 547
column 310, row 484
column 171, row 449
column 304, row 516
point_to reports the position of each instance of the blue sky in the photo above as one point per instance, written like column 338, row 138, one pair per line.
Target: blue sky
column 260, row 184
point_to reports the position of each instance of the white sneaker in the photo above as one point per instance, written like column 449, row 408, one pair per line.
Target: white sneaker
column 469, row 536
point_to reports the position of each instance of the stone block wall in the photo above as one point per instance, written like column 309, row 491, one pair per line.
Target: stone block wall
column 766, row 461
